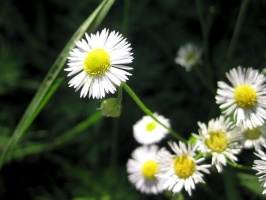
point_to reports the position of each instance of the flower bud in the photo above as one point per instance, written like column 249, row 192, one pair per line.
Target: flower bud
column 111, row 107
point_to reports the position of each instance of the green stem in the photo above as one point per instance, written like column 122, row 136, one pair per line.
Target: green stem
column 230, row 185
column 149, row 113
column 200, row 155
column 205, row 28
column 212, row 194
column 79, row 128
column 239, row 166
column 120, row 94
column 203, row 80
column 114, row 146
column 236, row 32
column 125, row 18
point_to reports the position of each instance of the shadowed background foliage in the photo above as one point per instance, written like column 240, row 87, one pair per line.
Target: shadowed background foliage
column 90, row 163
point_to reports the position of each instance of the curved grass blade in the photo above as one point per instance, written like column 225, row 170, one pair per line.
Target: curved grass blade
column 30, row 147
column 34, row 107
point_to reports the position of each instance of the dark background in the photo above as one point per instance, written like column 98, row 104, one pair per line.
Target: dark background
column 32, row 34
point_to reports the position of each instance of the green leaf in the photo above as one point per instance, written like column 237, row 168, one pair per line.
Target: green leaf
column 67, row 136
column 29, row 147
column 251, row 183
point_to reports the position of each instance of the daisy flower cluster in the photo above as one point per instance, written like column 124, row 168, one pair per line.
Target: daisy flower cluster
column 143, row 166
column 153, row 169
column 243, row 101
column 217, row 143
column 99, row 65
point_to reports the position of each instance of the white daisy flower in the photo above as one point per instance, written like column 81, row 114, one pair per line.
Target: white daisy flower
column 221, row 139
column 148, row 131
column 260, row 166
column 99, row 64
column 142, row 168
column 181, row 169
column 188, row 56
column 245, row 100
column 254, row 137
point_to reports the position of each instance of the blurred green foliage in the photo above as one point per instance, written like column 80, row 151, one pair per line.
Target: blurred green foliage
column 90, row 163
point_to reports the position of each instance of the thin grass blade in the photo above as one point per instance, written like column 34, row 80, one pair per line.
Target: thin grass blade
column 35, row 106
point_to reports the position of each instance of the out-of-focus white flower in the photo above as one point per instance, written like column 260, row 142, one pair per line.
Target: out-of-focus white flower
column 142, row 168
column 147, row 131
column 260, row 166
column 254, row 137
column 188, row 56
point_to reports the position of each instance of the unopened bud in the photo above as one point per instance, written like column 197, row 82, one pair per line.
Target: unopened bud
column 111, row 107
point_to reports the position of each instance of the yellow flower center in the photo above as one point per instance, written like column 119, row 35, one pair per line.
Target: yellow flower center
column 217, row 142
column 97, row 62
column 184, row 167
column 252, row 134
column 190, row 57
column 151, row 126
column 245, row 96
column 149, row 168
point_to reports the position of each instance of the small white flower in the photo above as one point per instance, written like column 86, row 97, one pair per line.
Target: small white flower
column 181, row 169
column 188, row 56
column 148, row 131
column 254, row 137
column 245, row 100
column 260, row 166
column 99, row 64
column 142, row 168
column 220, row 139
